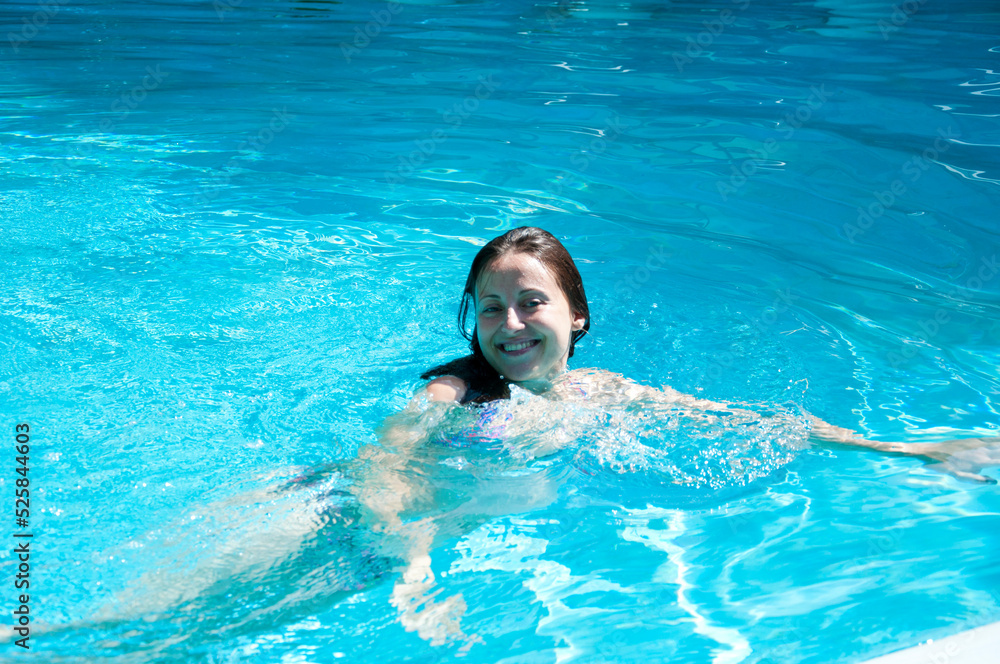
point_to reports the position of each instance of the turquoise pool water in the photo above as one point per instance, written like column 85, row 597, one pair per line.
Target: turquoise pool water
column 235, row 233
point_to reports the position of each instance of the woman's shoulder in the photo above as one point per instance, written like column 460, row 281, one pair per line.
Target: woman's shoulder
column 466, row 379
column 446, row 388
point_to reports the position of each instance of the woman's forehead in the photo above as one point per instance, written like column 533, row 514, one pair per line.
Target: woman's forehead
column 519, row 271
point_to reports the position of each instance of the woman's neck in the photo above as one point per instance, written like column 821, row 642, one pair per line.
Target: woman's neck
column 541, row 385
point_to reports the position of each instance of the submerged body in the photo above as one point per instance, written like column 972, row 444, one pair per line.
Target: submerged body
column 586, row 421
column 441, row 470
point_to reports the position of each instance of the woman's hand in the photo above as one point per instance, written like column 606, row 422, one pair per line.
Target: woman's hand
column 414, row 595
column 963, row 458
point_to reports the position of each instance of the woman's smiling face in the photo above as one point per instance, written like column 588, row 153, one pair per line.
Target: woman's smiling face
column 523, row 319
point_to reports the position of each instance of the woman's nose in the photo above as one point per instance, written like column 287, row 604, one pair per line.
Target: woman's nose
column 513, row 321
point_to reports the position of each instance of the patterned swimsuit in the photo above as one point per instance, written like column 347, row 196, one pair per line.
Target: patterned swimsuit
column 486, row 433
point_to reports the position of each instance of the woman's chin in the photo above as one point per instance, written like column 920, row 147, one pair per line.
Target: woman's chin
column 518, row 375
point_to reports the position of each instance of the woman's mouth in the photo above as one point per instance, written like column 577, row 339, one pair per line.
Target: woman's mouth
column 518, row 348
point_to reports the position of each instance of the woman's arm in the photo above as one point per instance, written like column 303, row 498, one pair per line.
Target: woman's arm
column 391, row 484
column 964, row 458
column 833, row 434
column 395, row 481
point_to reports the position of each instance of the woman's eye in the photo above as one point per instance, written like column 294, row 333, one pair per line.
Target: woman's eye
column 532, row 303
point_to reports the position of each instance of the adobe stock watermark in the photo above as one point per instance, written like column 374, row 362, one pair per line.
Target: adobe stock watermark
column 955, row 649
column 583, row 157
column 901, row 13
column 884, row 540
column 792, row 121
column 129, row 100
column 232, row 657
column 789, row 646
column 223, row 7
column 913, row 169
column 31, row 26
column 425, row 147
column 949, row 650
column 930, row 327
column 373, row 28
column 253, row 145
column 656, row 259
column 559, row 13
column 696, row 45
column 122, row 107
column 762, row 323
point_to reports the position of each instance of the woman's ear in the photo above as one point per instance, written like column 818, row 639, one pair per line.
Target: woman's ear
column 579, row 320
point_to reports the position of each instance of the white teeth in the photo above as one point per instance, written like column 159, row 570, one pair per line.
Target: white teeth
column 521, row 346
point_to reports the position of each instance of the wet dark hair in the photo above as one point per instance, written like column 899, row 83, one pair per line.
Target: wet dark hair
column 484, row 383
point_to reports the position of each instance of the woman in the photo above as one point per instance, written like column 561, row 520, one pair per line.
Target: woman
column 526, row 298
